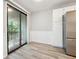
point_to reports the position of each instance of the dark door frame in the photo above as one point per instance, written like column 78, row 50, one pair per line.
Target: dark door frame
column 20, row 45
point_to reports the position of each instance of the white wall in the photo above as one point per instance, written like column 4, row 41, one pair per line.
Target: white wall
column 41, row 21
column 49, row 34
column 5, row 30
column 41, row 26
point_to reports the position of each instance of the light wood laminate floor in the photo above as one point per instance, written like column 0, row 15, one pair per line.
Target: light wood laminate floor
column 39, row 51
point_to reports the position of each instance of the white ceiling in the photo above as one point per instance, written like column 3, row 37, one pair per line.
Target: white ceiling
column 33, row 6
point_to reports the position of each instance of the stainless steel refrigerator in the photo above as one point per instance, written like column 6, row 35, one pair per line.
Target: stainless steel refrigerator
column 69, row 34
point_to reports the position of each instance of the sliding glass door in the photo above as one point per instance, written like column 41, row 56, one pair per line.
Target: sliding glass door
column 23, row 29
column 16, row 28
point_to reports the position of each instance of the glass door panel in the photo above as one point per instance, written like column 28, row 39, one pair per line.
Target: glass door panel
column 23, row 29
column 13, row 28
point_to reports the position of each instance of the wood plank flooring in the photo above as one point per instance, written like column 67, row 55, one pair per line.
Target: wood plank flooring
column 39, row 51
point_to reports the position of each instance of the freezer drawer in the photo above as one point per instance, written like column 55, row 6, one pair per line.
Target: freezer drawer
column 71, row 47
